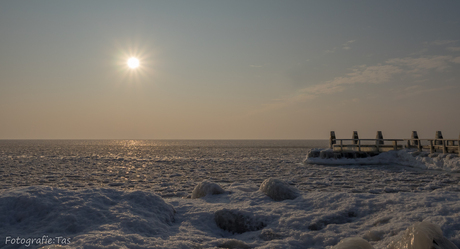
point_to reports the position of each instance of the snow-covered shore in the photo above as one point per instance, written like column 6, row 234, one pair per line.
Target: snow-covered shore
column 107, row 218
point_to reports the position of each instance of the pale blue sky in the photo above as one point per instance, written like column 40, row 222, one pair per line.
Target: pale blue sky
column 228, row 69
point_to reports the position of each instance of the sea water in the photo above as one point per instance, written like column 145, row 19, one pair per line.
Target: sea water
column 137, row 194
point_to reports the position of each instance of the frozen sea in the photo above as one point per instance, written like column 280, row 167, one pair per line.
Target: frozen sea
column 137, row 194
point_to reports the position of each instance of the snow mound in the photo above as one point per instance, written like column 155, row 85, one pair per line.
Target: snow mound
column 424, row 160
column 205, row 188
column 278, row 190
column 269, row 234
column 373, row 235
column 234, row 243
column 353, row 243
column 69, row 213
column 237, row 221
column 342, row 217
column 423, row 235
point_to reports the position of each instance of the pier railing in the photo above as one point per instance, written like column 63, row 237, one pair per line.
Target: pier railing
column 377, row 145
column 435, row 145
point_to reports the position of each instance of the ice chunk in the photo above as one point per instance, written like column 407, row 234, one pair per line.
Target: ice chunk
column 278, row 190
column 423, row 235
column 205, row 188
column 353, row 243
column 237, row 221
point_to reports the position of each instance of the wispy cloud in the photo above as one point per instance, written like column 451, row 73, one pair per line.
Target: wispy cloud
column 454, row 49
column 418, row 90
column 416, row 65
column 359, row 75
column 329, row 51
column 441, row 42
column 375, row 74
column 347, row 44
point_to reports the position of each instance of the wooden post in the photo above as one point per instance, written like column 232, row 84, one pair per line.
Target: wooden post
column 444, row 147
column 378, row 137
column 355, row 137
column 431, row 146
column 438, row 136
column 341, row 145
column 415, row 136
column 332, row 139
column 359, row 145
column 395, row 145
column 458, row 144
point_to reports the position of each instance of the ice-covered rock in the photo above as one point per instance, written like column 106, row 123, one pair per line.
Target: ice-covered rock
column 237, row 221
column 406, row 157
column 353, row 243
column 278, row 190
column 423, row 235
column 206, row 188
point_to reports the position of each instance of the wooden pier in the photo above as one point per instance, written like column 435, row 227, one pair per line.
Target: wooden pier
column 375, row 146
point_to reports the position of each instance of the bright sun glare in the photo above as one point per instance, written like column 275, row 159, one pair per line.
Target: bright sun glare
column 133, row 62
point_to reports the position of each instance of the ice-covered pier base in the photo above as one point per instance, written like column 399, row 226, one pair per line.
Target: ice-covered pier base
column 327, row 154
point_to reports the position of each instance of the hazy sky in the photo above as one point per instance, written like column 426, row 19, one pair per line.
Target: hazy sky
column 255, row 69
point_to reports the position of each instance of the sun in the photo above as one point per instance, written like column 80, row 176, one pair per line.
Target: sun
column 133, row 62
